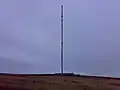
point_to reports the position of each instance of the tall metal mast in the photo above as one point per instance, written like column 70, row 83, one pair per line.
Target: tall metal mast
column 62, row 52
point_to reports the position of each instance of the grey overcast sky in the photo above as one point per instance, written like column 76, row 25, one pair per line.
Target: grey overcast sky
column 30, row 36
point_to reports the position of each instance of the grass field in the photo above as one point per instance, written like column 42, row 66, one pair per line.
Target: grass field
column 54, row 82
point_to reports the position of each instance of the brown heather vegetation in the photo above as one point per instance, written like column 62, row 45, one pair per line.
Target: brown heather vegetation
column 57, row 82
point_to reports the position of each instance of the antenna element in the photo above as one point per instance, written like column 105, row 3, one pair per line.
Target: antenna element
column 62, row 53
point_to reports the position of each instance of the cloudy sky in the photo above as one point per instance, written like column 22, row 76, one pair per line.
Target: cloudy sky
column 30, row 36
